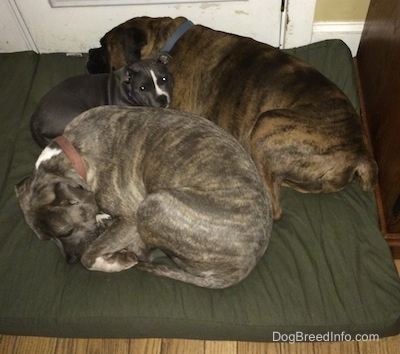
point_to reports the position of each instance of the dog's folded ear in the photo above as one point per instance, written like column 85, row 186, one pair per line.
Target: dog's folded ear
column 67, row 194
column 163, row 58
column 22, row 186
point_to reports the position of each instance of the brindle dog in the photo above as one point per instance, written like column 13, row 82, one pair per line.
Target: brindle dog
column 299, row 127
column 168, row 181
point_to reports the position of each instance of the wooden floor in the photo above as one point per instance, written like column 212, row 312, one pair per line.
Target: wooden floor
column 39, row 345
column 24, row 345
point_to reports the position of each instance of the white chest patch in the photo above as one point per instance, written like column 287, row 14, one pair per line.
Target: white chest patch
column 47, row 154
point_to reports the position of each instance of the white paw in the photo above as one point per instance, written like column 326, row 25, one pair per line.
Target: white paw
column 112, row 264
column 100, row 218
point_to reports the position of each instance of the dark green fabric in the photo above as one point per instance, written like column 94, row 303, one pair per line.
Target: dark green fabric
column 327, row 269
column 16, row 76
column 332, row 58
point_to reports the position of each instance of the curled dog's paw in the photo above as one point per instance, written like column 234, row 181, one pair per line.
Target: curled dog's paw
column 103, row 220
column 114, row 262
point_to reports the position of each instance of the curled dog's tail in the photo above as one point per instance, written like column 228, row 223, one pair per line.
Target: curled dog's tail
column 367, row 170
column 37, row 135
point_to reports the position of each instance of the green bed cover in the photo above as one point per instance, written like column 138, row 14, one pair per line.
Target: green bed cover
column 327, row 270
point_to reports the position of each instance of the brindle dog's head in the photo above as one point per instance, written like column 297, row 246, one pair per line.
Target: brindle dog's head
column 61, row 210
column 138, row 38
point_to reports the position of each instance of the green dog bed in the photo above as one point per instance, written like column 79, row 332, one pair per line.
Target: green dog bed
column 327, row 270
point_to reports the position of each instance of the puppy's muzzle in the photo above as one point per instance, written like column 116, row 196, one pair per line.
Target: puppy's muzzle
column 163, row 101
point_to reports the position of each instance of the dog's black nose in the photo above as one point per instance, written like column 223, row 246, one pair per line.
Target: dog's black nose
column 97, row 62
column 162, row 100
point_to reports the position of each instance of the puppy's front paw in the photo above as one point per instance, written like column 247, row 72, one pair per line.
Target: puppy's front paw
column 114, row 262
column 103, row 219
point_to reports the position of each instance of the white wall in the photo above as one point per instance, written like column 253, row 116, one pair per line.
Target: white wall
column 349, row 32
column 78, row 29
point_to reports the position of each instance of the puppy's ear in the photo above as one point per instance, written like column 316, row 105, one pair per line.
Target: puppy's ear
column 22, row 186
column 67, row 194
column 163, row 58
column 133, row 41
column 125, row 75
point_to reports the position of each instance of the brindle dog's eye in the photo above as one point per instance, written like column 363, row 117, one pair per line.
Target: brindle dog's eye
column 142, row 88
column 164, row 79
column 69, row 233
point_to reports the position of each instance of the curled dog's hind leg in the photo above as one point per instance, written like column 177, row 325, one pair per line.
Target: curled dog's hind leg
column 205, row 246
column 211, row 280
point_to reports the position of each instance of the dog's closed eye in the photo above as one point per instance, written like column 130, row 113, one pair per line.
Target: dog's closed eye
column 64, row 202
column 71, row 194
column 66, row 234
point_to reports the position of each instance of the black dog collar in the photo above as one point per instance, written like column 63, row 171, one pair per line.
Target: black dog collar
column 179, row 32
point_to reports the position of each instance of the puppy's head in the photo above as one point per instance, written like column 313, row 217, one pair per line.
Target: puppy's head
column 148, row 82
column 61, row 210
column 138, row 38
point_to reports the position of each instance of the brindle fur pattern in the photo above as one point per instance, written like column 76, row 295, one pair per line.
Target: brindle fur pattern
column 169, row 181
column 300, row 128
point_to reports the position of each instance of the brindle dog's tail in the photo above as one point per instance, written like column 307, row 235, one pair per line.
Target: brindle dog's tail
column 367, row 170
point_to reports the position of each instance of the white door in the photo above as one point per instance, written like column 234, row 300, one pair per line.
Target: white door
column 14, row 36
column 36, row 25
column 72, row 28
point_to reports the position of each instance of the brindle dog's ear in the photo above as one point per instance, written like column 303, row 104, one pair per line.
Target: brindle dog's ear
column 133, row 41
column 163, row 58
column 67, row 194
column 22, row 186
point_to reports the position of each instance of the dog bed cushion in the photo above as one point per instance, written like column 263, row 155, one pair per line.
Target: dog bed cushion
column 327, row 269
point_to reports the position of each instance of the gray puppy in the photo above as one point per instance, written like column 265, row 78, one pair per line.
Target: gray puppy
column 144, row 83
column 169, row 180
